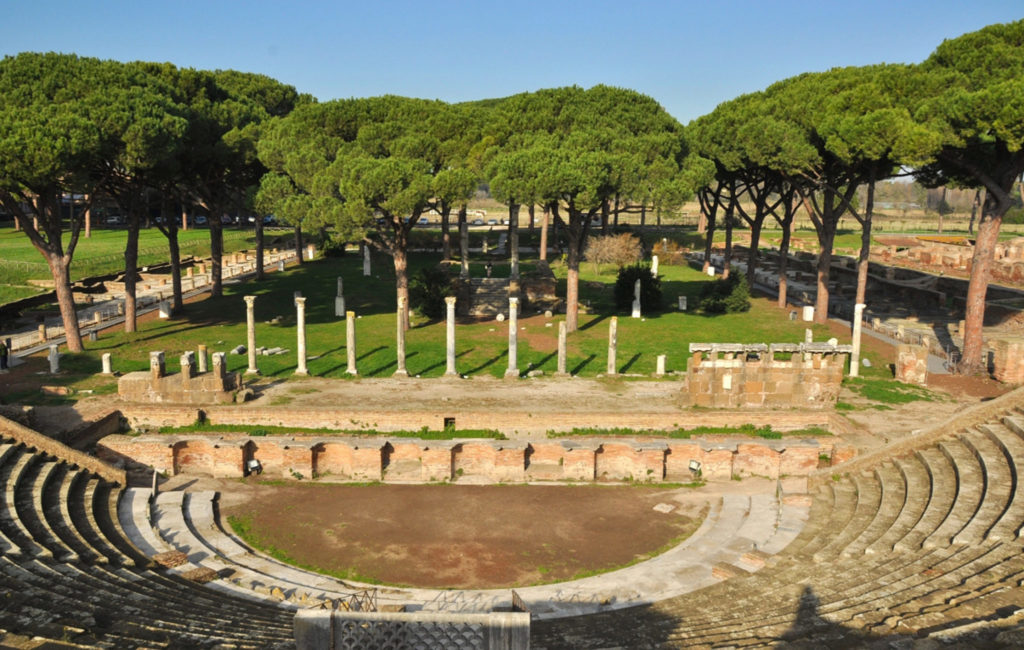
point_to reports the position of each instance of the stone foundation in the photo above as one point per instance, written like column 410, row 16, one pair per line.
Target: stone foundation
column 188, row 387
column 1008, row 359
column 487, row 461
column 780, row 375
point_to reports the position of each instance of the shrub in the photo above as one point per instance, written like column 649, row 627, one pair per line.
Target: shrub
column 427, row 291
column 619, row 250
column 650, row 288
column 726, row 296
column 669, row 252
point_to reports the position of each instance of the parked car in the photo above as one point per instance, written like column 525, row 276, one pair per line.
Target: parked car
column 200, row 220
column 114, row 220
column 423, row 221
column 478, row 222
column 492, row 222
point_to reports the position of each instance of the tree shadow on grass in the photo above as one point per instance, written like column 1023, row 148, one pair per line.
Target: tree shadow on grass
column 582, row 364
column 329, row 371
column 393, row 364
column 536, row 365
column 593, row 322
column 629, row 364
column 485, row 364
column 440, row 364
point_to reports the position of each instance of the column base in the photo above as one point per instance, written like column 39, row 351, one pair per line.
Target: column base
column 252, row 371
column 512, row 372
column 302, row 373
column 451, row 373
column 352, row 372
column 562, row 374
column 401, row 373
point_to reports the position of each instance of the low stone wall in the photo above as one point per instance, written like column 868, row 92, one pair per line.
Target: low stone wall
column 780, row 375
column 321, row 629
column 1008, row 359
column 477, row 460
column 41, row 443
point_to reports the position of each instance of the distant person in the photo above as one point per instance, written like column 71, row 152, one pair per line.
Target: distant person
column 489, row 268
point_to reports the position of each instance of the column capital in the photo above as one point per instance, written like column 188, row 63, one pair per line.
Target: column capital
column 450, row 300
column 300, row 302
column 249, row 300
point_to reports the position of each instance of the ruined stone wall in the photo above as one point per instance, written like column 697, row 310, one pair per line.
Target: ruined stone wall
column 187, row 387
column 806, row 375
column 29, row 438
column 421, row 461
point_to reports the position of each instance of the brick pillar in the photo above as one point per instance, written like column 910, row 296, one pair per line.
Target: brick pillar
column 513, row 337
column 250, row 326
column 188, row 369
column 156, row 368
column 450, row 336
column 220, row 368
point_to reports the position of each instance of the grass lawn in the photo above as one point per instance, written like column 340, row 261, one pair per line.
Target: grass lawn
column 101, row 254
column 481, row 346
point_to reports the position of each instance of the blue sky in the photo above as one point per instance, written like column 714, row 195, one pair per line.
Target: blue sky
column 690, row 56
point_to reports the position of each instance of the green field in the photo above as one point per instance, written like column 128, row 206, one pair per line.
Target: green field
column 481, row 347
column 100, row 254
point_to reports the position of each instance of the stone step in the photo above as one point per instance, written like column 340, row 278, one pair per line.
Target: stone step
column 34, row 512
column 844, row 504
column 892, row 499
column 86, row 551
column 1012, row 446
column 917, row 491
column 942, row 479
column 970, row 487
column 868, row 498
column 998, row 484
column 12, row 479
column 80, row 509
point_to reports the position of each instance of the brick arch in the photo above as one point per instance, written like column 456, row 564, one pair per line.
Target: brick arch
column 204, row 458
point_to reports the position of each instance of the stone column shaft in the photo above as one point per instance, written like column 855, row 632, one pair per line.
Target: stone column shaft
column 513, row 337
column 350, row 342
column 300, row 314
column 858, row 321
column 450, row 336
column 201, row 356
column 613, row 344
column 561, row 348
column 250, row 326
column 400, row 338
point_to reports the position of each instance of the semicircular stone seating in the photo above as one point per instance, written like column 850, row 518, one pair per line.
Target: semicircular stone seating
column 71, row 577
column 922, row 545
column 735, row 537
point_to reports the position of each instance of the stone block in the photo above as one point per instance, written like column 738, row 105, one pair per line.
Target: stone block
column 912, row 364
column 1008, row 360
column 756, row 460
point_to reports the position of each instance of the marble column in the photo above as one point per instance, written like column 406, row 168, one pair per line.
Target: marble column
column 636, row 299
column 613, row 344
column 350, row 342
column 300, row 332
column 858, row 322
column 449, row 302
column 561, row 348
column 513, row 337
column 366, row 260
column 400, row 339
column 107, row 370
column 250, row 326
column 660, row 370
column 201, row 357
column 339, row 299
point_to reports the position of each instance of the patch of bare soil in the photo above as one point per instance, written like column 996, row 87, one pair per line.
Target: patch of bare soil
column 454, row 536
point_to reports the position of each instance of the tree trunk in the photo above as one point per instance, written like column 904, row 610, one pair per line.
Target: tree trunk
column 604, row 217
column 643, row 215
column 402, row 280
column 131, row 265
column 544, row 235
column 973, row 361
column 784, row 262
column 216, row 255
column 184, row 218
column 942, row 207
column 727, row 261
column 299, row 245
column 531, row 210
column 513, row 239
column 260, row 245
column 709, row 241
column 865, row 245
column 446, row 236
column 754, row 252
column 826, row 239
column 170, row 230
column 60, row 269
column 88, row 219
column 615, row 214
column 464, row 241
column 978, row 205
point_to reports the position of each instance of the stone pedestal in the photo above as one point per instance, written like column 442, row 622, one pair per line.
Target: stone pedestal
column 1008, row 359
column 561, row 348
column 250, row 328
column 339, row 306
column 42, row 332
column 450, row 370
column 156, row 368
column 300, row 333
column 912, row 364
column 350, row 342
column 107, row 370
column 660, row 371
column 808, row 313
column 201, row 357
column 366, row 261
column 682, row 303
column 513, row 338
column 613, row 343
column 400, row 371
column 165, row 309
column 636, row 299
column 654, row 266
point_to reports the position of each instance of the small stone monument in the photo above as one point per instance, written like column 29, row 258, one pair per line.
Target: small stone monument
column 711, row 271
column 280, row 265
column 250, row 327
column 808, row 336
column 339, row 299
column 54, row 358
column 366, row 261
column 654, row 266
column 165, row 309
column 682, row 303
column 808, row 313
column 350, row 342
column 912, row 364
column 300, row 333
column 513, row 338
column 561, row 348
column 613, row 343
column 636, row 299
column 106, row 364
column 660, row 370
column 201, row 357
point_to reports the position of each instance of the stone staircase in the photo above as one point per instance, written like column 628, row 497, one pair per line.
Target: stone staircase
column 922, row 546
column 488, row 297
column 73, row 578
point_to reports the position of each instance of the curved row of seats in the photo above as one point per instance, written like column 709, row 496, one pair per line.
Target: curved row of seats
column 922, row 545
column 71, row 575
column 735, row 537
